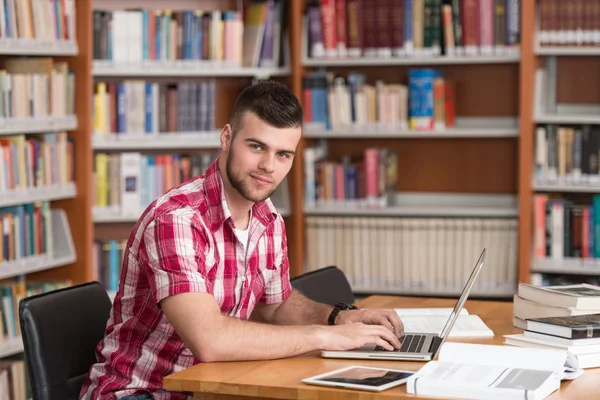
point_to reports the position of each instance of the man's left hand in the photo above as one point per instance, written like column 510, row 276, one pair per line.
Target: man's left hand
column 385, row 317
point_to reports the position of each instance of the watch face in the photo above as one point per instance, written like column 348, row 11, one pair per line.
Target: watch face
column 345, row 306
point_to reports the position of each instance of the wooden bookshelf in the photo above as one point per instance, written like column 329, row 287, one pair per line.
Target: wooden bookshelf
column 483, row 158
column 559, row 77
column 526, row 142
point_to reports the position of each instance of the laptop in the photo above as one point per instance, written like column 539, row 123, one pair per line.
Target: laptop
column 415, row 346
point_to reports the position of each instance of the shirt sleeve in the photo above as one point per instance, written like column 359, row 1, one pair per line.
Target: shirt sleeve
column 278, row 288
column 175, row 250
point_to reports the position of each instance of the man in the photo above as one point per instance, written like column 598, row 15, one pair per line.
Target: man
column 205, row 274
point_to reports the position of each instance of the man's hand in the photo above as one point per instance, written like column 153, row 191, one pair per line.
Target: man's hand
column 384, row 317
column 354, row 335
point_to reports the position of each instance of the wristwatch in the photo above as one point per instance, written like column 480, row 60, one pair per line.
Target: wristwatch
column 336, row 310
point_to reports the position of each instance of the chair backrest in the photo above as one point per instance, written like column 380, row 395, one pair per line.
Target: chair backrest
column 60, row 331
column 326, row 285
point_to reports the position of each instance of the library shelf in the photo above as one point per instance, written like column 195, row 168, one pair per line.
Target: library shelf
column 42, row 193
column 166, row 141
column 546, row 118
column 181, row 68
column 566, row 187
column 414, row 204
column 567, row 51
column 37, row 47
column 14, row 126
column 571, row 266
column 414, row 60
column 11, row 346
column 464, row 128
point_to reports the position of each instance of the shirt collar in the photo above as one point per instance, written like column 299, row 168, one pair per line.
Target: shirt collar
column 264, row 211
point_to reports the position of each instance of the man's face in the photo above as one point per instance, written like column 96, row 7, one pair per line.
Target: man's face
column 259, row 157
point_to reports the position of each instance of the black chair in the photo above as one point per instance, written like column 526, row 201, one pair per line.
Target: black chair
column 60, row 331
column 326, row 285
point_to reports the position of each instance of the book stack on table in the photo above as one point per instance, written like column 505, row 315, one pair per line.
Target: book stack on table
column 563, row 317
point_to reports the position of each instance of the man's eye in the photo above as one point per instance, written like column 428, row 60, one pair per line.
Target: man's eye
column 255, row 147
column 283, row 155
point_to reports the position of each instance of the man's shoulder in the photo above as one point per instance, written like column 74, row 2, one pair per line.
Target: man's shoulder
column 186, row 200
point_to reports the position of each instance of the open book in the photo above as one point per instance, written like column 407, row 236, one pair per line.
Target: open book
column 477, row 371
column 432, row 320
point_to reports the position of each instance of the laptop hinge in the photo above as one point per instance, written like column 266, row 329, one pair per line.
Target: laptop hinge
column 435, row 344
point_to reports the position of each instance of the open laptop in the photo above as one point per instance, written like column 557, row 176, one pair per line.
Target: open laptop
column 415, row 345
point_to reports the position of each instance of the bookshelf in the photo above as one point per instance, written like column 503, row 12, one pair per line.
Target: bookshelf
column 563, row 107
column 45, row 139
column 488, row 152
column 439, row 171
column 174, row 134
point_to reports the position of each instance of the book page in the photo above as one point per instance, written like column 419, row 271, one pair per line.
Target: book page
column 443, row 374
column 428, row 311
column 485, row 375
column 561, row 362
column 465, row 326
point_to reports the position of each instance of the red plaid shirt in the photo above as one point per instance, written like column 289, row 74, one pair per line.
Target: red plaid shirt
column 184, row 242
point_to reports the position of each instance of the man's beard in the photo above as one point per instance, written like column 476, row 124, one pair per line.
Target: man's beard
column 239, row 184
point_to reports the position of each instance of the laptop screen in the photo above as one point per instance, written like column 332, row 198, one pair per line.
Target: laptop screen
column 462, row 299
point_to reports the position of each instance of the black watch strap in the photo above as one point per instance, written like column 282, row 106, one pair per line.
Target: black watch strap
column 336, row 310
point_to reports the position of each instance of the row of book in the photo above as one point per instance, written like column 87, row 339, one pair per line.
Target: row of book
column 405, row 28
column 134, row 107
column 30, row 161
column 26, row 231
column 569, row 23
column 36, row 87
column 554, row 279
column 365, row 181
column 42, row 20
column 559, row 317
column 11, row 292
column 415, row 254
column 566, row 228
column 107, row 258
column 127, row 182
column 250, row 38
column 14, row 379
column 337, row 102
column 567, row 154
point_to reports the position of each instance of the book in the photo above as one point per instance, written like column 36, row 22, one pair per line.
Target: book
column 526, row 309
column 466, row 325
column 570, row 327
column 581, row 296
column 588, row 355
column 477, row 371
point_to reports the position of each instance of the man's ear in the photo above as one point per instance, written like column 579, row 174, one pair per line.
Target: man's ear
column 226, row 137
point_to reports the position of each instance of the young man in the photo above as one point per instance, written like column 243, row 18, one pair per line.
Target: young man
column 205, row 274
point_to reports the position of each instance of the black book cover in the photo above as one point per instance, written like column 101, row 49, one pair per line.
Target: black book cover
column 582, row 326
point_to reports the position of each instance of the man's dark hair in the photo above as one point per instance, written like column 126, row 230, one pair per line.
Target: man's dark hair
column 272, row 102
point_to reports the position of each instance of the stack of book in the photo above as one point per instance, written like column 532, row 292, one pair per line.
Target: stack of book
column 563, row 317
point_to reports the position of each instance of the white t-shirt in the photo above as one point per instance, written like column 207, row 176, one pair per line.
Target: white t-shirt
column 243, row 235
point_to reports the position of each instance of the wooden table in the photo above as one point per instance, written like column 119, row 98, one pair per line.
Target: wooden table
column 281, row 379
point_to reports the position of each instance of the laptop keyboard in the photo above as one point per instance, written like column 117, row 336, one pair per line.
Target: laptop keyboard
column 410, row 344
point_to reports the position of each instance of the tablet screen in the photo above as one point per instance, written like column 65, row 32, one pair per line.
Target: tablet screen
column 366, row 376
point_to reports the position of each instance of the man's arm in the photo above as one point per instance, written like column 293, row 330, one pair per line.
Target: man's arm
column 298, row 309
column 210, row 336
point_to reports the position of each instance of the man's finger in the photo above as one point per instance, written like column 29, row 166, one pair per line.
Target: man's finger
column 396, row 322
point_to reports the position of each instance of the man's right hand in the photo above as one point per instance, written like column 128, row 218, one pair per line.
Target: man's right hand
column 355, row 335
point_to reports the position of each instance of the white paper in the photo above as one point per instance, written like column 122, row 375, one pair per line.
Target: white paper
column 428, row 311
column 561, row 362
column 465, row 326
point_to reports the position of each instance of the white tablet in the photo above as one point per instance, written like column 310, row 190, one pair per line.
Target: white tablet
column 363, row 378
